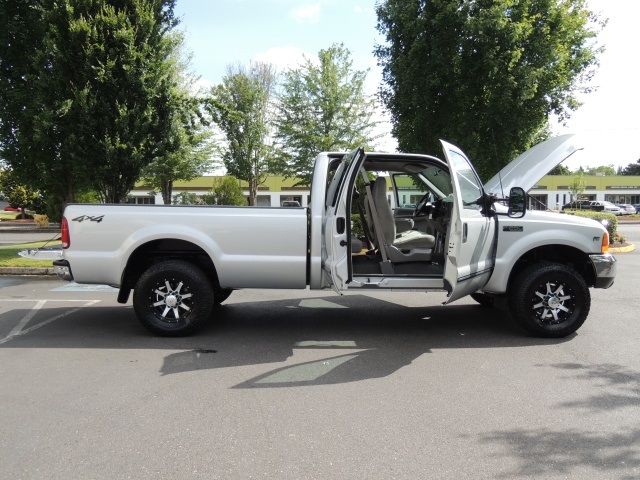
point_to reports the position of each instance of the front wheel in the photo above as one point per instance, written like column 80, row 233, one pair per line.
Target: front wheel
column 221, row 294
column 483, row 299
column 549, row 300
column 173, row 298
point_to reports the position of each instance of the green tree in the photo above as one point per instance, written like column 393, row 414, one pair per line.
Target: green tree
column 187, row 146
column 632, row 169
column 242, row 107
column 484, row 74
column 225, row 191
column 577, row 186
column 323, row 107
column 560, row 170
column 607, row 170
column 17, row 194
column 85, row 97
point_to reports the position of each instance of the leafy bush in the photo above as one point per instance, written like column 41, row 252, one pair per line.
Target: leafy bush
column 187, row 198
column 599, row 216
column 225, row 191
column 41, row 221
column 356, row 226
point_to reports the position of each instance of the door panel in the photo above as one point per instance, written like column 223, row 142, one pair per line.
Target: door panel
column 471, row 235
column 336, row 261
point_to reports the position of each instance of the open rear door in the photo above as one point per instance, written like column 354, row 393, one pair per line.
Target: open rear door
column 336, row 261
column 471, row 234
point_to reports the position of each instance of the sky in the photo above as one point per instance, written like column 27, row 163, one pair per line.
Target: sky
column 225, row 32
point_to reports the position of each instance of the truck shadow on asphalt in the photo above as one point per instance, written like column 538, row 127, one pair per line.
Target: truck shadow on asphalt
column 312, row 341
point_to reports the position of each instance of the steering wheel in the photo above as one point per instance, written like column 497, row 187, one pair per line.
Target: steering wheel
column 423, row 207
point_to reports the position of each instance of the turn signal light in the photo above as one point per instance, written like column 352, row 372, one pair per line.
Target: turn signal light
column 66, row 239
column 605, row 243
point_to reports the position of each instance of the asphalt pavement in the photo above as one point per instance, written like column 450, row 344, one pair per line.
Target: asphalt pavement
column 300, row 384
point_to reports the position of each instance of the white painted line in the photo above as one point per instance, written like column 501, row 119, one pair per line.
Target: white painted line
column 48, row 321
column 26, row 318
column 46, row 300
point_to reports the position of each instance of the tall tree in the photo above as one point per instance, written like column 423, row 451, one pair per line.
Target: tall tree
column 485, row 74
column 85, row 98
column 187, row 147
column 632, row 169
column 323, row 107
column 242, row 106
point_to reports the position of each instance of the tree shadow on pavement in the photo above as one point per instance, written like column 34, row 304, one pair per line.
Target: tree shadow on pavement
column 544, row 452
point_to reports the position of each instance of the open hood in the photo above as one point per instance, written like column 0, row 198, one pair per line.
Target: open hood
column 527, row 169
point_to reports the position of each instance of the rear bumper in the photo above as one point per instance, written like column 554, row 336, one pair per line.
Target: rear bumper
column 63, row 270
column 605, row 266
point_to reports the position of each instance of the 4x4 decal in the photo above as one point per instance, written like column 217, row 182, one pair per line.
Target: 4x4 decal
column 82, row 218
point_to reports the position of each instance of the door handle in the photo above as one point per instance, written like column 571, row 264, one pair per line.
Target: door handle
column 465, row 231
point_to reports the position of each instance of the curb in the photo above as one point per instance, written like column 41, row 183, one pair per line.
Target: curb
column 629, row 248
column 27, row 271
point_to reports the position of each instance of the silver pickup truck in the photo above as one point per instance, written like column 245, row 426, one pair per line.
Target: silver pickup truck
column 447, row 232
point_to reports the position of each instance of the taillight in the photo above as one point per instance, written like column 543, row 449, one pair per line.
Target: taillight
column 66, row 239
column 605, row 243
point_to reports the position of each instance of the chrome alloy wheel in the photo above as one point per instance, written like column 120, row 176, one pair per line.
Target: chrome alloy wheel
column 553, row 302
column 172, row 301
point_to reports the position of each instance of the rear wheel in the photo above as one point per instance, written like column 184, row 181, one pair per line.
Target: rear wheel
column 173, row 298
column 549, row 300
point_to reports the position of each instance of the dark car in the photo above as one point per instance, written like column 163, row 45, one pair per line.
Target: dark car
column 578, row 205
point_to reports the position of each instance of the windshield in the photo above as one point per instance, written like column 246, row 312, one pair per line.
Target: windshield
column 438, row 180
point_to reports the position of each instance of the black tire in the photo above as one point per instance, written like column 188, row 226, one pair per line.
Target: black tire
column 221, row 294
column 549, row 300
column 173, row 298
column 483, row 299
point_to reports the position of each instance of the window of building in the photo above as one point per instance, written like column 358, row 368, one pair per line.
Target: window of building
column 141, row 200
column 537, row 202
column 290, row 200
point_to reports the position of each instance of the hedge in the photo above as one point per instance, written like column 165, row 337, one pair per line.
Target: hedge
column 599, row 216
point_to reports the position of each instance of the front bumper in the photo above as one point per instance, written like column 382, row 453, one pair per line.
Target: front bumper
column 605, row 266
column 63, row 270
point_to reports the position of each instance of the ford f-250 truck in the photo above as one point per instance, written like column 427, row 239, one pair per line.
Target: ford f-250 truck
column 447, row 232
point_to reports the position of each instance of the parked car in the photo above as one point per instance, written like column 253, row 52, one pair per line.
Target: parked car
column 578, row 205
column 637, row 207
column 626, row 209
column 605, row 206
column 9, row 208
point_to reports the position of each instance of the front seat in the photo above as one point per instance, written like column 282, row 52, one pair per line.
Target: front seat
column 408, row 246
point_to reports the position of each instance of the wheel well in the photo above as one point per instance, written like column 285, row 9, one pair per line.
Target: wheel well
column 562, row 254
column 156, row 251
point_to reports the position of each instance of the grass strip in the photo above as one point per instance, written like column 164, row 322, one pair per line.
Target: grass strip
column 9, row 255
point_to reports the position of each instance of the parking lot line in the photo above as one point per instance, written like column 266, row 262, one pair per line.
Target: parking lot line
column 30, row 314
column 17, row 331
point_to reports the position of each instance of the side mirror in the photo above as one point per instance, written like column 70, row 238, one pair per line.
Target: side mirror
column 517, row 202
